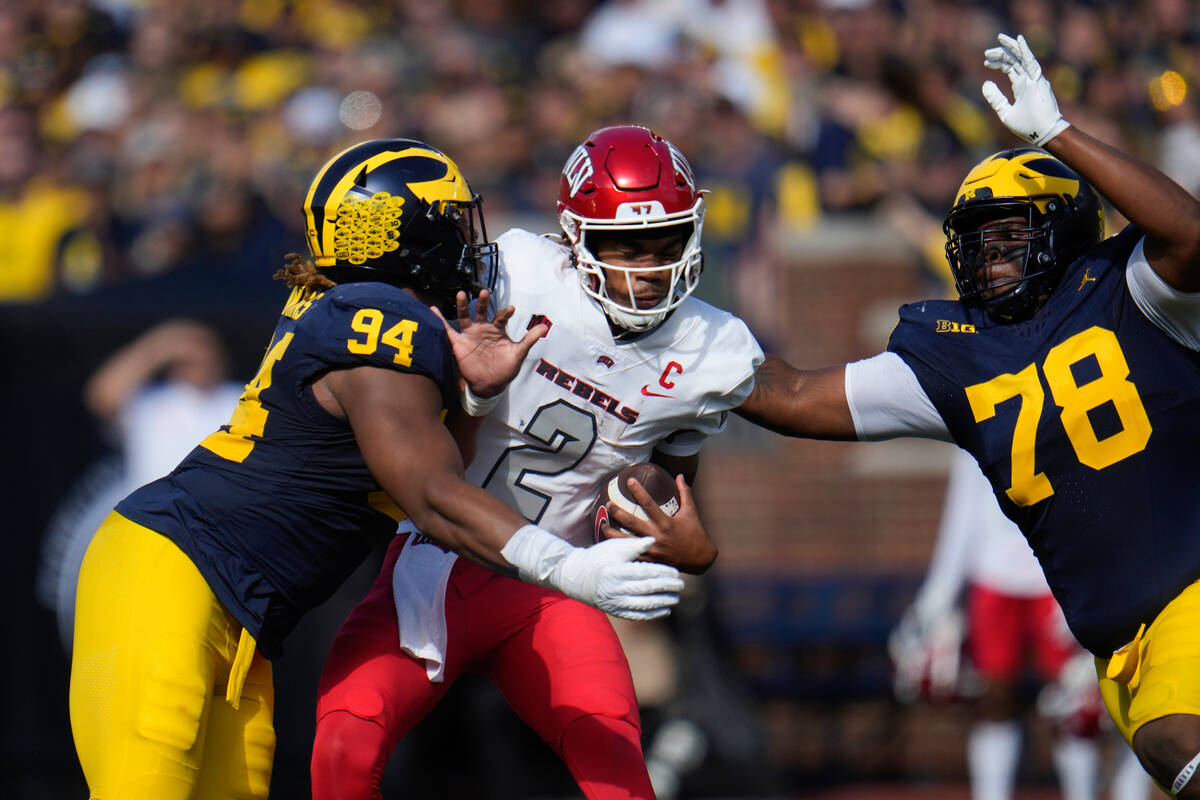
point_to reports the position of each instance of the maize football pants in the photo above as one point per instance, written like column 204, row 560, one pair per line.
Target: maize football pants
column 152, row 659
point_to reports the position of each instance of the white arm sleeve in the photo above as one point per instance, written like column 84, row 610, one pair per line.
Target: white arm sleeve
column 688, row 441
column 887, row 401
column 1176, row 313
column 682, row 443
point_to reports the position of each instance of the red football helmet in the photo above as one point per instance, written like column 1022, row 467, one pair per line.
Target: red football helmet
column 628, row 178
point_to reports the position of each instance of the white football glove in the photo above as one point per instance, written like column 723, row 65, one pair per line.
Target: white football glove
column 926, row 654
column 1033, row 115
column 603, row 575
column 1072, row 700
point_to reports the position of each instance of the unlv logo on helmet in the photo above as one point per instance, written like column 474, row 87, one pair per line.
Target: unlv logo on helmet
column 682, row 166
column 624, row 165
column 578, row 169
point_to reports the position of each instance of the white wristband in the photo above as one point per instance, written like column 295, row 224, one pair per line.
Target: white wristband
column 478, row 406
column 1185, row 774
column 535, row 552
column 1055, row 130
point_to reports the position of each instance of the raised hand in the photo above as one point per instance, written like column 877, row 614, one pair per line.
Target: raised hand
column 487, row 359
column 679, row 539
column 1033, row 114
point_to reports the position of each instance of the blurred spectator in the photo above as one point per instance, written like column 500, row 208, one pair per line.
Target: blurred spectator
column 1011, row 619
column 157, row 397
column 645, row 33
column 741, row 169
column 162, row 393
column 36, row 211
column 118, row 118
column 1179, row 156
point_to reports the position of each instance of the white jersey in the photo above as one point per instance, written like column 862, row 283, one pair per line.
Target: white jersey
column 585, row 405
column 582, row 406
column 977, row 544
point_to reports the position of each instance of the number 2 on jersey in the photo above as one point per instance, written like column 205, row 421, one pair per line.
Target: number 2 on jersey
column 567, row 434
column 1075, row 400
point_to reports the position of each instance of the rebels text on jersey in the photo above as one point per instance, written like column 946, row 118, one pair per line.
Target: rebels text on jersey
column 584, row 404
column 1082, row 423
column 277, row 508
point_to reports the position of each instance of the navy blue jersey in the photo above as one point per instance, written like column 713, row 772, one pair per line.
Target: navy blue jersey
column 278, row 507
column 1084, row 420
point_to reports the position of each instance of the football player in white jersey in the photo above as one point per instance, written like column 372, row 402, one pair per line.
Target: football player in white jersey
column 1012, row 623
column 632, row 368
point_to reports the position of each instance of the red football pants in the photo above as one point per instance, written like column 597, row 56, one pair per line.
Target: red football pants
column 557, row 661
column 1004, row 629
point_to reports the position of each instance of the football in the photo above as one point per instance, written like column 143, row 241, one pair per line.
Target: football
column 615, row 489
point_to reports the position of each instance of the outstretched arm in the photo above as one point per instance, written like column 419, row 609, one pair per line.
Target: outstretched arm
column 805, row 403
column 1166, row 212
column 417, row 462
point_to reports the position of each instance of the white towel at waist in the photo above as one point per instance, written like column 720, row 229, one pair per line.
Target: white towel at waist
column 419, row 591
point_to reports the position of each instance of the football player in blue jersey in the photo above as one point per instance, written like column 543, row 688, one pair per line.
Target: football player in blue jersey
column 1070, row 369
column 190, row 586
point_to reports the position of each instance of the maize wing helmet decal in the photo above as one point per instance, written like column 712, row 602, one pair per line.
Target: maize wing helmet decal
column 1061, row 219
column 336, row 200
column 399, row 211
column 1019, row 173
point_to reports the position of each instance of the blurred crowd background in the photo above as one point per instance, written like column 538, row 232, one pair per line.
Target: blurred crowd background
column 140, row 138
column 154, row 156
